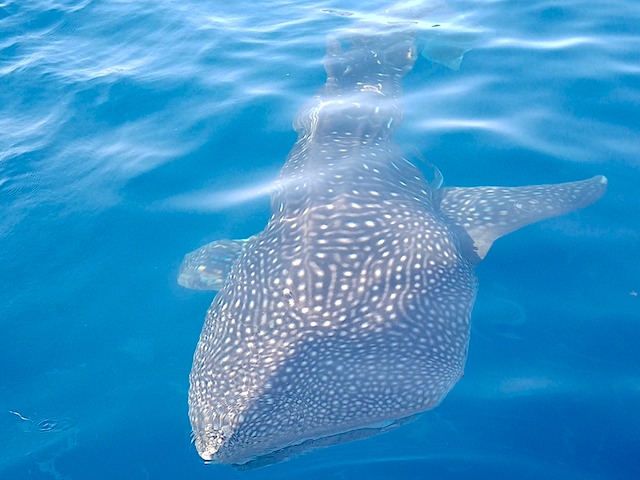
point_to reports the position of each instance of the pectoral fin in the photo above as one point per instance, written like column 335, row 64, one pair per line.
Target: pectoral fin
column 488, row 213
column 207, row 267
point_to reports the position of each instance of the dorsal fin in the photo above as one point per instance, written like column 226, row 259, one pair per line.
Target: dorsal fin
column 488, row 213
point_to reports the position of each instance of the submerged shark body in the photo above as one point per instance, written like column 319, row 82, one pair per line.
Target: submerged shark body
column 349, row 313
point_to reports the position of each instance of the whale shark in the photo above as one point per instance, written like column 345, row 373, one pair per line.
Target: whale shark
column 349, row 314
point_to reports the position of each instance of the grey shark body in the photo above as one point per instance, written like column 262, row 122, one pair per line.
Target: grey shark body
column 349, row 313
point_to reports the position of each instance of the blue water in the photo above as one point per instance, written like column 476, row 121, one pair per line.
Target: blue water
column 134, row 132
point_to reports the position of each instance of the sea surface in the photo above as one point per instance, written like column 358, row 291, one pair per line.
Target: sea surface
column 134, row 132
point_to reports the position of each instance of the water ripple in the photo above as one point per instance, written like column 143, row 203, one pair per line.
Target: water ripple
column 95, row 93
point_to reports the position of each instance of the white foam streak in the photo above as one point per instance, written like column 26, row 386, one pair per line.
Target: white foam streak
column 549, row 44
column 541, row 131
column 212, row 201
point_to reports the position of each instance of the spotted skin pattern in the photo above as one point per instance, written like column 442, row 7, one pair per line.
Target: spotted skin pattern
column 350, row 311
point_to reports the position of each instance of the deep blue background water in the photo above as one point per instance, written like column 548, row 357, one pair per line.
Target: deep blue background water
column 134, row 132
